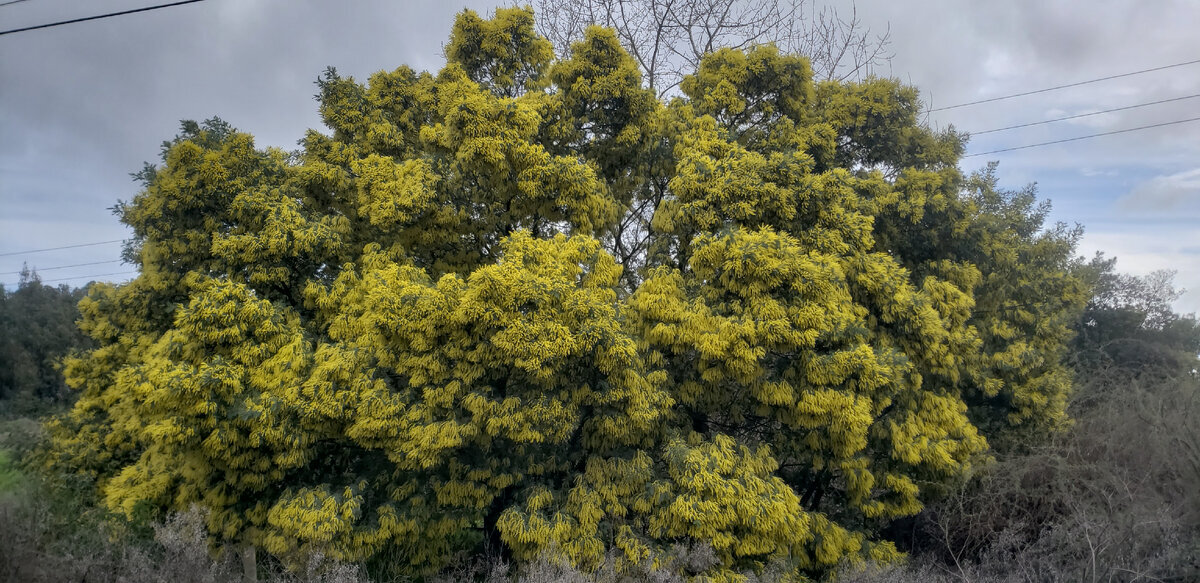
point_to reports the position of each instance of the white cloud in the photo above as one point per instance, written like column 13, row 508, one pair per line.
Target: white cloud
column 1173, row 194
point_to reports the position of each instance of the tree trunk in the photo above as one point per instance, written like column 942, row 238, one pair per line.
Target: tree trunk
column 249, row 564
column 495, row 546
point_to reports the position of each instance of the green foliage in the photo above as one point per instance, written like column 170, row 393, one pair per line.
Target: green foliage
column 37, row 328
column 522, row 304
column 1129, row 329
column 52, row 532
column 968, row 235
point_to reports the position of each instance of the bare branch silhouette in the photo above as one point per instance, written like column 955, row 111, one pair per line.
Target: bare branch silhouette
column 669, row 37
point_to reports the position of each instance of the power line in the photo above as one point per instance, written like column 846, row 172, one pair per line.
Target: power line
column 1025, row 125
column 99, row 16
column 1157, row 125
column 80, row 277
column 41, row 269
column 63, row 247
column 11, row 2
column 1057, row 87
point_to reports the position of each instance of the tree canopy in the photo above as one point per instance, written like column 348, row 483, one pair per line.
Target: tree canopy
column 523, row 303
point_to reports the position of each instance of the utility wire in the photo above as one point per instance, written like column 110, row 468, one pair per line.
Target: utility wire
column 1025, row 125
column 41, row 269
column 1057, row 87
column 98, row 17
column 63, row 247
column 11, row 2
column 80, row 277
column 1157, row 125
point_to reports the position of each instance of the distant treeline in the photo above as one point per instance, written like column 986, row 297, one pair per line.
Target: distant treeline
column 37, row 328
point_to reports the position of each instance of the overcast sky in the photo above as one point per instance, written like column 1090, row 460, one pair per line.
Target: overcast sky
column 83, row 105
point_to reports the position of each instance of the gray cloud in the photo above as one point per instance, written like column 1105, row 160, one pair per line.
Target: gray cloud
column 964, row 51
column 83, row 105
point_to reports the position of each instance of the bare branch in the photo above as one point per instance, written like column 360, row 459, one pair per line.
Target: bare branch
column 668, row 38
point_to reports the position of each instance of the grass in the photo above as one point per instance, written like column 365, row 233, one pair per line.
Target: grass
column 11, row 477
